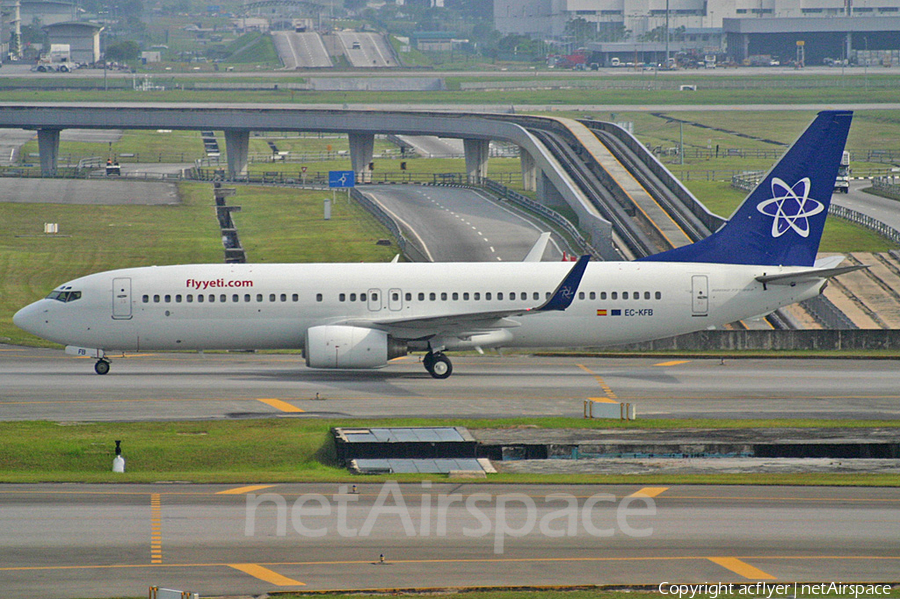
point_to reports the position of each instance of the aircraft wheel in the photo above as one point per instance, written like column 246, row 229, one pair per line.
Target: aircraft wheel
column 442, row 367
column 101, row 367
column 428, row 361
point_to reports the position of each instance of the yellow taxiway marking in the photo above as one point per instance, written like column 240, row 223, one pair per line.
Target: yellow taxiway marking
column 242, row 490
column 264, row 574
column 672, row 363
column 649, row 492
column 281, row 405
column 606, row 388
column 155, row 529
column 740, row 567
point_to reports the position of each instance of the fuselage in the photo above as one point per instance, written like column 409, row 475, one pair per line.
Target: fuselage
column 251, row 306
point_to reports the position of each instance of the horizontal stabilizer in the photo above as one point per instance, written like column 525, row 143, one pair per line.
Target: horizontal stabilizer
column 807, row 275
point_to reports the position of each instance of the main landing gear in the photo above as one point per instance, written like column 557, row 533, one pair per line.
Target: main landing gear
column 438, row 365
column 102, row 366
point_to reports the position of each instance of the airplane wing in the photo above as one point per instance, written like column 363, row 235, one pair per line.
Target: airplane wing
column 467, row 323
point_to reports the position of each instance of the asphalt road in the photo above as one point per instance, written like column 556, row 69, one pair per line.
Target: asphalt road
column 301, row 50
column 366, row 50
column 460, row 225
column 116, row 540
column 884, row 209
column 43, row 384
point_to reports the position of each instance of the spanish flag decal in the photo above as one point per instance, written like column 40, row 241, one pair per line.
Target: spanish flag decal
column 601, row 312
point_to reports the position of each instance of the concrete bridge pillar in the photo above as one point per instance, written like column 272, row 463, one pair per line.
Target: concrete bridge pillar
column 529, row 170
column 48, row 148
column 477, row 152
column 362, row 149
column 237, row 147
column 547, row 194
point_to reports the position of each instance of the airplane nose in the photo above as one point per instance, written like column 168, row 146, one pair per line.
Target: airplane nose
column 28, row 317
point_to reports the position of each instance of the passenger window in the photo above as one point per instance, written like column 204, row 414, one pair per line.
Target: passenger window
column 658, row 295
column 523, row 296
column 593, row 295
column 455, row 296
column 444, row 296
column 624, row 295
column 235, row 298
column 223, row 298
column 352, row 297
column 409, row 297
column 581, row 295
column 318, row 297
column 342, row 298
column 212, row 298
column 200, row 299
column 374, row 297
column 395, row 296
column 271, row 297
column 431, row 296
column 284, row 297
column 190, row 299
column 145, row 299
column 646, row 295
column 476, row 296
column 246, row 297
column 178, row 299
column 168, row 299
column 296, row 298
column 614, row 295
column 499, row 295
column 421, row 297
column 487, row 296
column 466, row 296
column 636, row 295
column 259, row 297
column 536, row 296
column 603, row 295
column 362, row 297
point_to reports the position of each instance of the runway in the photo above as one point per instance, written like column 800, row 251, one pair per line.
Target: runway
column 44, row 384
column 117, row 540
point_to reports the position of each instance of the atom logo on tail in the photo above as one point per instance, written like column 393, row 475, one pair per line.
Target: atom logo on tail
column 791, row 207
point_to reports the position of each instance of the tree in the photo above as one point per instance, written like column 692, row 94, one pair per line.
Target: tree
column 581, row 31
column 122, row 51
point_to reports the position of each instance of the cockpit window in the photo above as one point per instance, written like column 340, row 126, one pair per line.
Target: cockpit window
column 65, row 296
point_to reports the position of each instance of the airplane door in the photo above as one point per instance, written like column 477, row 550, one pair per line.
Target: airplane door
column 700, row 295
column 121, row 299
column 395, row 299
column 374, row 300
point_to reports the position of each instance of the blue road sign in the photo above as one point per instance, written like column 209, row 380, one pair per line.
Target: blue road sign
column 341, row 179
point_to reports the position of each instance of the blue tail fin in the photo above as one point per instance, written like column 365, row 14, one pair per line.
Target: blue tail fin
column 781, row 221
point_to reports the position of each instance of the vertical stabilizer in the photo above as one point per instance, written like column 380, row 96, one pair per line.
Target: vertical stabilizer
column 781, row 221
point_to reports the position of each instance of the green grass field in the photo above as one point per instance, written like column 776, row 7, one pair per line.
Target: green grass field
column 301, row 450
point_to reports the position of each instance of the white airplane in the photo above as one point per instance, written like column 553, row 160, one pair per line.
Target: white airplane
column 354, row 316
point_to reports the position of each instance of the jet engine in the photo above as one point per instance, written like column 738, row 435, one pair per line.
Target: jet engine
column 337, row 346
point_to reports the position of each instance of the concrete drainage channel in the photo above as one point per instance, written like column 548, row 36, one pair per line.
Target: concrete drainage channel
column 460, row 452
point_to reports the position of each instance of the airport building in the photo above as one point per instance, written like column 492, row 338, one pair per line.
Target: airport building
column 814, row 29
column 82, row 38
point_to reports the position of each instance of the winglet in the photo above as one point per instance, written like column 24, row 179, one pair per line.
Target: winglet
column 565, row 292
column 537, row 251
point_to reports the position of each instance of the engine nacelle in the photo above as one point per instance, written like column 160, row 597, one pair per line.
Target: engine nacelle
column 339, row 346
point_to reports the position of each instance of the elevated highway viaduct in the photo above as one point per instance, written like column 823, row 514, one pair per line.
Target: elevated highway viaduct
column 562, row 160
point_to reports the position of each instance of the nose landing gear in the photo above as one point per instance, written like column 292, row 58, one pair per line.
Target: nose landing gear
column 438, row 365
